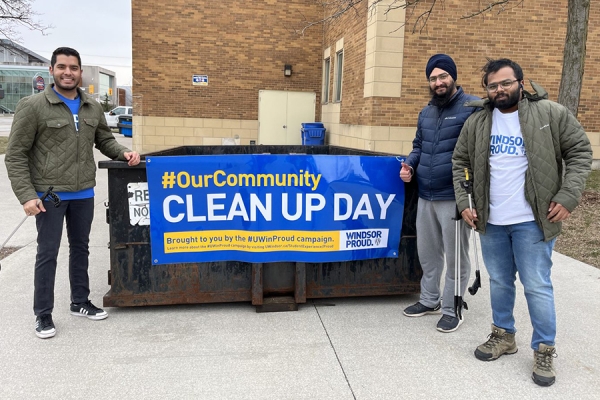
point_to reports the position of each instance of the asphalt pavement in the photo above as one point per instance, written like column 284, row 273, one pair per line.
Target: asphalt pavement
column 346, row 348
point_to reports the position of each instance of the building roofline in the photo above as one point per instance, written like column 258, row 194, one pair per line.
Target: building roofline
column 7, row 43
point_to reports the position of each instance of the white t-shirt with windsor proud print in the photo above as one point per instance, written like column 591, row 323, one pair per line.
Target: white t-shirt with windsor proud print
column 508, row 164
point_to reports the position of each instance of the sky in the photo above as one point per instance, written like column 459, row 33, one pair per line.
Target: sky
column 99, row 30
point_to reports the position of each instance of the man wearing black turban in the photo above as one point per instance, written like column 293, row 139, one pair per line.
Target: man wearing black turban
column 430, row 160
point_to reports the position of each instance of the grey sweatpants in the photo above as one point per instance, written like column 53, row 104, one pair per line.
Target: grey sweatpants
column 436, row 229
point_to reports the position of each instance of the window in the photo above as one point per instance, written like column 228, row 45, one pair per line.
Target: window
column 326, row 69
column 339, row 64
column 103, row 84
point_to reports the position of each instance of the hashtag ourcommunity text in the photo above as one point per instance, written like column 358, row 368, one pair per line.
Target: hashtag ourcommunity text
column 220, row 178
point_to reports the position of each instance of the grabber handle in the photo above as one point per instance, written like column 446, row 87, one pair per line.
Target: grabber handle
column 53, row 196
column 467, row 185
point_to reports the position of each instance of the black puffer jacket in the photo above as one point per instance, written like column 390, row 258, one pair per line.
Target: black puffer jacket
column 437, row 133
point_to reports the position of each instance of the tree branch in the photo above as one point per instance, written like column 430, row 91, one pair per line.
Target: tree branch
column 340, row 6
column 423, row 18
column 18, row 13
column 500, row 4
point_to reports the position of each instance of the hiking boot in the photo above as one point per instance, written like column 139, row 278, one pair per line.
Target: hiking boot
column 448, row 323
column 543, row 370
column 88, row 310
column 44, row 327
column 418, row 310
column 499, row 342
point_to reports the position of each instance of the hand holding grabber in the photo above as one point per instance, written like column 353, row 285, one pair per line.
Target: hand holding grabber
column 467, row 185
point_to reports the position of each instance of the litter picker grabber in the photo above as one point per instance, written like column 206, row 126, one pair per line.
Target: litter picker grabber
column 458, row 300
column 47, row 194
column 467, row 185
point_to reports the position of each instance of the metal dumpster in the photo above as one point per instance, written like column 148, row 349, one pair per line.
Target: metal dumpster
column 276, row 286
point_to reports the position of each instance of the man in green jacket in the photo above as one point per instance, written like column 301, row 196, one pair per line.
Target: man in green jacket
column 513, row 150
column 51, row 144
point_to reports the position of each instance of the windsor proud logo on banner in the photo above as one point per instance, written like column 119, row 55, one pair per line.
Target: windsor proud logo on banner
column 267, row 208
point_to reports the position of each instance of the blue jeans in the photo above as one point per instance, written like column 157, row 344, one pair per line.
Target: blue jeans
column 520, row 248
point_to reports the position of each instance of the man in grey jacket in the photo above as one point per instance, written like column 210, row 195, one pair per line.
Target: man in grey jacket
column 514, row 149
column 51, row 144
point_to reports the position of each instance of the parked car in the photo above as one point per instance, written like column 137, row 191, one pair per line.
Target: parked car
column 112, row 117
column 5, row 110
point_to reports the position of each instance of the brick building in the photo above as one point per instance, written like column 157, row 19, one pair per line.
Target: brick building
column 365, row 69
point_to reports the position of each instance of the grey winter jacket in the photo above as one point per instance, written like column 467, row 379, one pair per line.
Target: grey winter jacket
column 551, row 135
column 45, row 149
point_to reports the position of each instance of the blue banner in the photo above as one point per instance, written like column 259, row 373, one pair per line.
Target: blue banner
column 267, row 208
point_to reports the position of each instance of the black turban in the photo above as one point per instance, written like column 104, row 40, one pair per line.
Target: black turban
column 441, row 61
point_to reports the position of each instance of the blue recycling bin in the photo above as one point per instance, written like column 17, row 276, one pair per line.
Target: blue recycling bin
column 125, row 125
column 313, row 133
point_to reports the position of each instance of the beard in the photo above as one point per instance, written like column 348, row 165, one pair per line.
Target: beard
column 60, row 85
column 440, row 100
column 508, row 101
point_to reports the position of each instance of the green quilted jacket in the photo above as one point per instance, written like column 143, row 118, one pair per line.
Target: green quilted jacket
column 551, row 135
column 45, row 149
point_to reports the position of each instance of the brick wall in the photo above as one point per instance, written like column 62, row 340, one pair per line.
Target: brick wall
column 352, row 27
column 241, row 45
column 531, row 34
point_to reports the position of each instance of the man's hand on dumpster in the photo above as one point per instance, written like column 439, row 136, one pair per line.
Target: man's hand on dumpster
column 470, row 217
column 406, row 172
column 132, row 157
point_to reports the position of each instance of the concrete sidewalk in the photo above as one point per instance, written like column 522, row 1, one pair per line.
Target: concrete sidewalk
column 349, row 348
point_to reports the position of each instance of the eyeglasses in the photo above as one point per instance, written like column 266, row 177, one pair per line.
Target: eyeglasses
column 492, row 87
column 441, row 77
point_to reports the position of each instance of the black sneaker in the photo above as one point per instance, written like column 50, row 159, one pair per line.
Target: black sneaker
column 44, row 327
column 88, row 310
column 448, row 323
column 418, row 310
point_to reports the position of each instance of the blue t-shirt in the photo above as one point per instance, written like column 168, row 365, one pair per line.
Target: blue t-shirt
column 74, row 107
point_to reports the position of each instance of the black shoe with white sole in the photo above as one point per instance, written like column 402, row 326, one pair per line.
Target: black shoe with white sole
column 418, row 310
column 448, row 323
column 44, row 327
column 88, row 310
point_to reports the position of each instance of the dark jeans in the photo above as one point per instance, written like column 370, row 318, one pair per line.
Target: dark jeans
column 78, row 215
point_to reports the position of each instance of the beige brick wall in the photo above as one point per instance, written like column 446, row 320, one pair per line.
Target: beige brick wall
column 152, row 134
column 384, row 139
column 595, row 141
column 384, row 50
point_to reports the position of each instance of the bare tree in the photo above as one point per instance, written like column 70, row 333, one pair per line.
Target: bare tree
column 15, row 14
column 575, row 41
column 574, row 54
